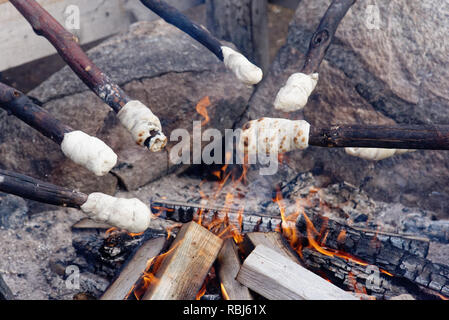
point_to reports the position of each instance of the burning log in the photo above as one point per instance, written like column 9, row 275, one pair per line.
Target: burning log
column 144, row 126
column 273, row 136
column 272, row 240
column 277, row 277
column 245, row 71
column 132, row 271
column 400, row 256
column 87, row 151
column 5, row 292
column 129, row 214
column 228, row 263
column 183, row 270
column 295, row 94
column 186, row 212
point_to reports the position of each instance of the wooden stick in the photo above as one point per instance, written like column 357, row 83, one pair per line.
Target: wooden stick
column 68, row 48
column 431, row 137
column 18, row 104
column 324, row 35
column 228, row 265
column 183, row 270
column 277, row 277
column 33, row 189
column 132, row 271
column 182, row 22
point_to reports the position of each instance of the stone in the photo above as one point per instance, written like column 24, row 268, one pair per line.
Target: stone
column 13, row 211
column 375, row 74
column 155, row 63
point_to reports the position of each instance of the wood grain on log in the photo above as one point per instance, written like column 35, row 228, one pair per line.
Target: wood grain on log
column 272, row 240
column 19, row 105
column 277, row 277
column 432, row 137
column 228, row 265
column 33, row 189
column 183, row 270
column 132, row 271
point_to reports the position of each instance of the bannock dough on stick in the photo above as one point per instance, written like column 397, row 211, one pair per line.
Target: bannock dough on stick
column 272, row 136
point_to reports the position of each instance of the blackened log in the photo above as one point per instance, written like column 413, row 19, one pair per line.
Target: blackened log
column 21, row 106
column 358, row 278
column 131, row 272
column 33, row 189
column 68, row 48
column 182, row 22
column 186, row 212
column 431, row 137
column 399, row 256
column 324, row 35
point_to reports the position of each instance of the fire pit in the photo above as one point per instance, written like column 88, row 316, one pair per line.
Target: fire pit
column 242, row 192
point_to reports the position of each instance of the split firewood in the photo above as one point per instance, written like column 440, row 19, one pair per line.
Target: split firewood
column 144, row 126
column 295, row 94
column 271, row 240
column 273, row 136
column 186, row 212
column 276, row 277
column 183, row 270
column 132, row 271
column 244, row 70
column 5, row 291
column 401, row 256
column 128, row 214
column 85, row 150
column 228, row 265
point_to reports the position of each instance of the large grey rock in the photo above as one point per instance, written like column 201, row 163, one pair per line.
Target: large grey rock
column 385, row 73
column 153, row 62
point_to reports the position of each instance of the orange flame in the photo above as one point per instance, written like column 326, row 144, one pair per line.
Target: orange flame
column 223, row 292
column 201, row 108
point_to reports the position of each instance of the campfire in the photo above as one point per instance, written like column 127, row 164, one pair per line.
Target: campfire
column 230, row 232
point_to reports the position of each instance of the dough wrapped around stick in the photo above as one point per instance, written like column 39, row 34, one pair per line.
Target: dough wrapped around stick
column 243, row 69
column 89, row 152
column 375, row 154
column 296, row 92
column 129, row 214
column 271, row 136
column 143, row 125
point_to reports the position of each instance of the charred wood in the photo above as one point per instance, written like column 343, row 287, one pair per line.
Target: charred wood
column 132, row 271
column 399, row 256
column 186, row 212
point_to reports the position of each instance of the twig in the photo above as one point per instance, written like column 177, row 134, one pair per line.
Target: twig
column 68, row 48
column 235, row 61
column 81, row 148
column 324, row 34
column 296, row 92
